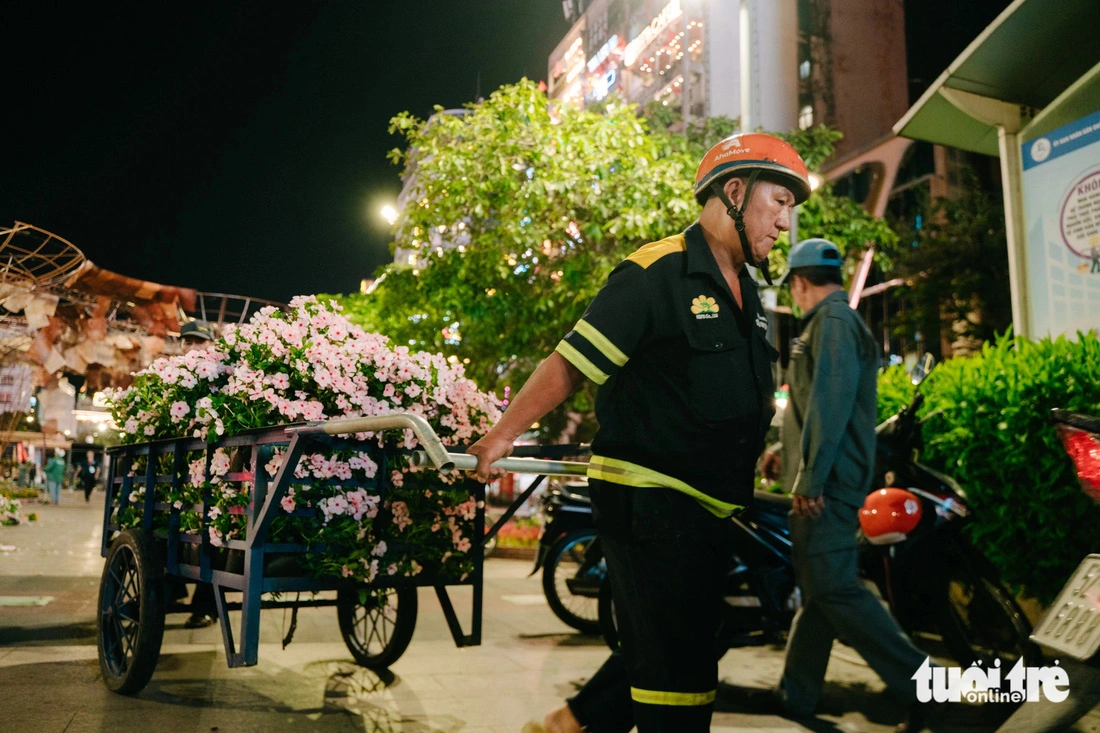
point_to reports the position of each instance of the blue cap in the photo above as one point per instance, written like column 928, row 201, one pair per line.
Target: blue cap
column 811, row 253
column 814, row 253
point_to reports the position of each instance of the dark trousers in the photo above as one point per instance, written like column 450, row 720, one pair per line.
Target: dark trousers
column 835, row 603
column 667, row 559
column 202, row 602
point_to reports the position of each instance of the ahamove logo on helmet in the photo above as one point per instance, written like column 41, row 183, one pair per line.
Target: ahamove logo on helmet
column 730, row 147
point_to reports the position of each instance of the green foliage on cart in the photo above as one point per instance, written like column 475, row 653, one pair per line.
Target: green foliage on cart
column 309, row 363
column 517, row 209
column 988, row 426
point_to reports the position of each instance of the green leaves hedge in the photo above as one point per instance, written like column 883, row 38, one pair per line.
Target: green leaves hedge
column 988, row 426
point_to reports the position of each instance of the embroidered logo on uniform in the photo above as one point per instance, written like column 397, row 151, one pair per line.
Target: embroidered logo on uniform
column 761, row 321
column 704, row 307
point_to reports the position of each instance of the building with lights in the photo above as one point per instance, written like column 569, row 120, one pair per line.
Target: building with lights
column 708, row 57
column 774, row 64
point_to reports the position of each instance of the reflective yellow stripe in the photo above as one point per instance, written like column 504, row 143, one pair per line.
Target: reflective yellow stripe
column 580, row 361
column 615, row 471
column 658, row 697
column 601, row 342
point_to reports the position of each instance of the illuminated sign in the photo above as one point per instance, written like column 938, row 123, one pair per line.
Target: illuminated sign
column 603, row 84
column 671, row 12
column 603, row 53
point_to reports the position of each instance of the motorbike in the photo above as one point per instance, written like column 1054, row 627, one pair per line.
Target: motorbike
column 1071, row 627
column 941, row 589
column 572, row 565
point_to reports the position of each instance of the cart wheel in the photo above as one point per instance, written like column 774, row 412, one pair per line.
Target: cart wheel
column 377, row 626
column 130, row 622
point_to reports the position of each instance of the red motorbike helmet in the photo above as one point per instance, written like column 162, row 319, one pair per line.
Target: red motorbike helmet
column 889, row 515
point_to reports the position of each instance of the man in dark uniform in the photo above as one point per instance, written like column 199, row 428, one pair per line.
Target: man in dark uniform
column 828, row 462
column 676, row 340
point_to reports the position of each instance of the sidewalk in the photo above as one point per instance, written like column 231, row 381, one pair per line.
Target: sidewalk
column 527, row 663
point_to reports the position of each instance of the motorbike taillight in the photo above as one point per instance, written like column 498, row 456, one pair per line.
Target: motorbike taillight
column 1083, row 447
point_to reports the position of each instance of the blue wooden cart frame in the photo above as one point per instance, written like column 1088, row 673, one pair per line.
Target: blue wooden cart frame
column 264, row 506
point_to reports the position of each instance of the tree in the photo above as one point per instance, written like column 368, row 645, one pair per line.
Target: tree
column 518, row 208
column 956, row 265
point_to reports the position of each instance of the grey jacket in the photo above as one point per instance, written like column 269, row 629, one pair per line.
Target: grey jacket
column 829, row 424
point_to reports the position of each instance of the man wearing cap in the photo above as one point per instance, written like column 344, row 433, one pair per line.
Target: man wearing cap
column 676, row 341
column 199, row 336
column 829, row 442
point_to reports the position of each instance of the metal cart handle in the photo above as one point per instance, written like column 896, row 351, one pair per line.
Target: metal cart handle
column 434, row 453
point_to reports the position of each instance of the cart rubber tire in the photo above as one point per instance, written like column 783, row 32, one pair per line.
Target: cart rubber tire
column 130, row 612
column 586, row 623
column 376, row 635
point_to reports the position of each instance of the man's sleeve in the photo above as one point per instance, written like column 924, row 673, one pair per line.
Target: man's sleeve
column 832, row 399
column 612, row 327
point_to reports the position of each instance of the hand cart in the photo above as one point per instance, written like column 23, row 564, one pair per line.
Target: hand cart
column 376, row 628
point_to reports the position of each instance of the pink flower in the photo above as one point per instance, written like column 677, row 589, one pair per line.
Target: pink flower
column 287, row 503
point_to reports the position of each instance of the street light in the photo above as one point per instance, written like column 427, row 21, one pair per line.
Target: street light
column 389, row 214
column 815, row 181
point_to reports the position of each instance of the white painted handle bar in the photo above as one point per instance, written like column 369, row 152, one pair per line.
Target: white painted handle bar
column 434, row 453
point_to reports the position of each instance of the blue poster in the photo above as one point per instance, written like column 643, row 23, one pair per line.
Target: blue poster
column 1061, row 187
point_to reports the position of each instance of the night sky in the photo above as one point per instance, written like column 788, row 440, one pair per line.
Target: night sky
column 239, row 147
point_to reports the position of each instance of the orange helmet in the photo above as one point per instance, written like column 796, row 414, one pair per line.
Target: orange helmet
column 768, row 154
column 888, row 515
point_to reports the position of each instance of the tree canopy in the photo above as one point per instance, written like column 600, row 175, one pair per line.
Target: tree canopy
column 516, row 208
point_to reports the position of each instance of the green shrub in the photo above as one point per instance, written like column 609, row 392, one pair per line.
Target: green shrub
column 895, row 391
column 15, row 492
column 988, row 426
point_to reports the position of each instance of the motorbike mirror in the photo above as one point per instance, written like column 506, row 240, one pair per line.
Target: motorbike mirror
column 922, row 368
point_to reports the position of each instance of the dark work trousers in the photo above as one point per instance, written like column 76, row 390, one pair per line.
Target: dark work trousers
column 667, row 560
column 835, row 603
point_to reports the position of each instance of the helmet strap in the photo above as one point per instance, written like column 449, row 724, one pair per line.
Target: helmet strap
column 738, row 216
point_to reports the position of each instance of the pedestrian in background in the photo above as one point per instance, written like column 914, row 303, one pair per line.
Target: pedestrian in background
column 828, row 462
column 89, row 473
column 55, row 474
